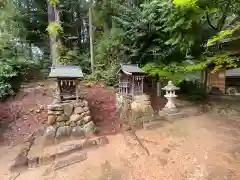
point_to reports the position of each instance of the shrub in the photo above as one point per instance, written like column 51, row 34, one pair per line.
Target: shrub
column 194, row 90
column 12, row 71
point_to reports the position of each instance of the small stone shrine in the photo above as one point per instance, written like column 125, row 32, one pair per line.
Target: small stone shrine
column 68, row 115
column 133, row 106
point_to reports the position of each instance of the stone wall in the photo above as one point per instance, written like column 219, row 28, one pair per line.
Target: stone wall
column 134, row 111
column 69, row 119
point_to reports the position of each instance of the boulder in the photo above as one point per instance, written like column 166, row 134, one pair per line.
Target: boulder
column 62, row 118
column 68, row 109
column 51, row 119
column 78, row 110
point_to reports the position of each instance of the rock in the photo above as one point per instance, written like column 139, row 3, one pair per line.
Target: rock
column 59, row 124
column 63, row 118
column 77, row 132
column 89, row 128
column 233, row 113
column 78, row 104
column 50, row 132
column 41, row 107
column 73, row 124
column 78, row 110
column 55, row 107
column 85, row 103
column 50, row 112
column 38, row 111
column 68, row 109
column 51, row 119
column 75, row 117
column 87, row 113
column 86, row 119
column 63, row 132
column 83, row 121
column 86, row 109
column 68, row 123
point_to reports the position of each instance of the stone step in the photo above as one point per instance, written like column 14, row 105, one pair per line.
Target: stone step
column 37, row 155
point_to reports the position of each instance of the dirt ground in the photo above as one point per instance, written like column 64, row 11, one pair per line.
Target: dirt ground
column 205, row 147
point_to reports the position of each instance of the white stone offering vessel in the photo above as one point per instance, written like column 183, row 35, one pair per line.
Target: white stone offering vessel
column 171, row 96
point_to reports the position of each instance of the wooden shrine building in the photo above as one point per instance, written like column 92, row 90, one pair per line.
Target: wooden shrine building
column 131, row 80
column 67, row 78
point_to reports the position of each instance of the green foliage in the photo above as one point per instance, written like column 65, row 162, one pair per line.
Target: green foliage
column 109, row 76
column 223, row 35
column 54, row 29
column 12, row 73
column 74, row 57
column 175, row 72
column 193, row 90
column 222, row 60
column 108, row 58
column 13, row 65
column 185, row 3
column 54, row 3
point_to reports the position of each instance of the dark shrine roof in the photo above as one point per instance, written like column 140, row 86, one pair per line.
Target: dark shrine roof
column 233, row 72
column 131, row 69
column 61, row 71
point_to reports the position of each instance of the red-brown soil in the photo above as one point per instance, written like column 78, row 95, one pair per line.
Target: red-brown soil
column 23, row 114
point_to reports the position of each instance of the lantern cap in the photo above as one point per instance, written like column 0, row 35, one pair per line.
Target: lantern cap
column 170, row 87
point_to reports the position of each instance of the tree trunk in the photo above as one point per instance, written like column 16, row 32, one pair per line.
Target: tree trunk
column 91, row 39
column 107, row 18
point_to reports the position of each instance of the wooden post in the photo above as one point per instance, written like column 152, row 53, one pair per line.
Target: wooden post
column 142, row 83
column 158, row 88
column 91, row 39
column 58, row 92
column 77, row 93
column 133, row 85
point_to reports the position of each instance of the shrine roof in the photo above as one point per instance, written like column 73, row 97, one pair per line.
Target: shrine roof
column 233, row 72
column 61, row 71
column 131, row 69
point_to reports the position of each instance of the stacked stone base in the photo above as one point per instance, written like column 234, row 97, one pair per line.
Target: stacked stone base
column 134, row 111
column 69, row 119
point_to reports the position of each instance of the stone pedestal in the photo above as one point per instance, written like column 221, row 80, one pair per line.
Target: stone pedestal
column 69, row 119
column 134, row 111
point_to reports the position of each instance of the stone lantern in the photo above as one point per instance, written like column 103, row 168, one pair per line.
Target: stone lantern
column 171, row 96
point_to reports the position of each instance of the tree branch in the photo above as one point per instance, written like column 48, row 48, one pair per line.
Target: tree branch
column 221, row 22
column 209, row 22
